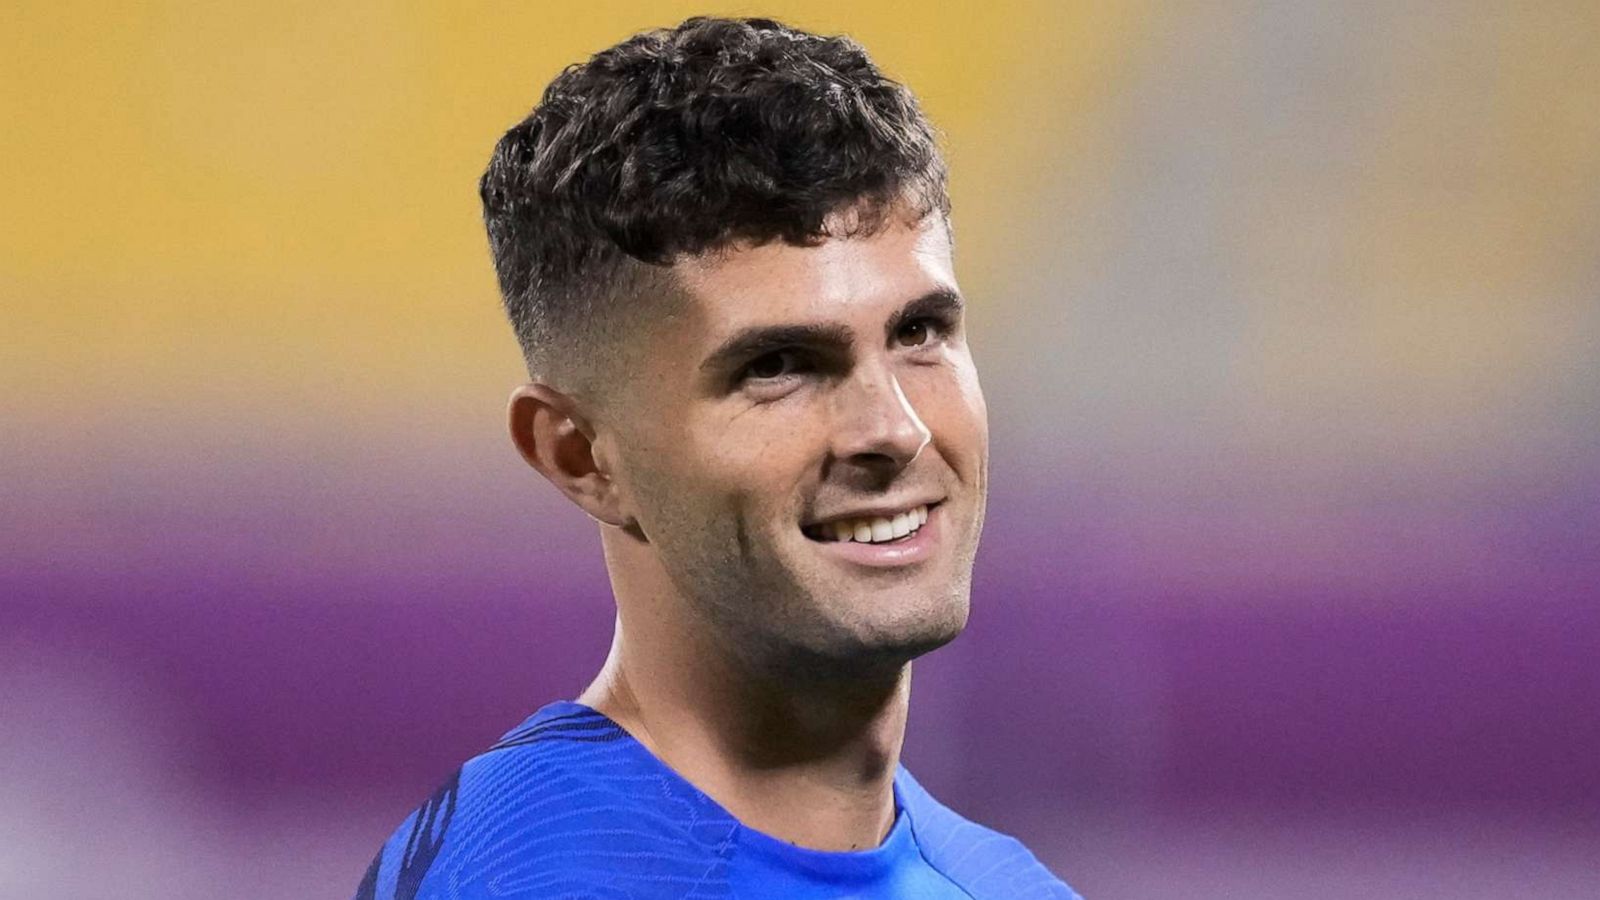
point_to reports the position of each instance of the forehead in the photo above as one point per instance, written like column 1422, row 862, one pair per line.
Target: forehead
column 837, row 280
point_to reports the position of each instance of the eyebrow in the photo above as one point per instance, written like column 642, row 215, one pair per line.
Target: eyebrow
column 752, row 342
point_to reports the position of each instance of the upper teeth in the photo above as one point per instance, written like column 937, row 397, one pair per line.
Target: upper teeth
column 874, row 529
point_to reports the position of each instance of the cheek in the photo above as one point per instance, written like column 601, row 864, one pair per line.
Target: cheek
column 950, row 402
column 666, row 477
column 977, row 406
column 752, row 462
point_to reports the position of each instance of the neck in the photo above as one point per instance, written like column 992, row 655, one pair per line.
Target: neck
column 811, row 763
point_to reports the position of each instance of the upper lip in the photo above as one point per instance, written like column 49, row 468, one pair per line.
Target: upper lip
column 876, row 511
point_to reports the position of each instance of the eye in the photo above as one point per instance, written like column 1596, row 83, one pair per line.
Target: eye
column 918, row 332
column 769, row 366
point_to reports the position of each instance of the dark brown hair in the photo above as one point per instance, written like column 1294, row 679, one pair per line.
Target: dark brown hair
column 684, row 140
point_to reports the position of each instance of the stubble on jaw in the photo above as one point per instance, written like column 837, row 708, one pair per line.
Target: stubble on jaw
column 784, row 631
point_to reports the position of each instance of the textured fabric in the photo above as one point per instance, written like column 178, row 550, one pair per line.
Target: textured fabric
column 569, row 805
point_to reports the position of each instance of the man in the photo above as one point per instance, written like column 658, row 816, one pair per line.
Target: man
column 725, row 249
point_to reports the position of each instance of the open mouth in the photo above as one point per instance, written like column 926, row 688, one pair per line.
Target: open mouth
column 872, row 529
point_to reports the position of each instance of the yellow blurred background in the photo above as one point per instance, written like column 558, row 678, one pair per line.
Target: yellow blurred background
column 241, row 192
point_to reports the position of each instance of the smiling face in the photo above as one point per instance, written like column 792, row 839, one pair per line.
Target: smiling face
column 805, row 447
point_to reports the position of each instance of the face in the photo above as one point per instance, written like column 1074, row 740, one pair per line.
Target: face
column 805, row 448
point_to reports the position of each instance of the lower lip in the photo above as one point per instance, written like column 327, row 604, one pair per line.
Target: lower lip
column 913, row 548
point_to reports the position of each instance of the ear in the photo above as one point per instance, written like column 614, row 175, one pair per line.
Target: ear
column 555, row 439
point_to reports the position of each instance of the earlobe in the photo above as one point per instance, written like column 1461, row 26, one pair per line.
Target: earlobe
column 551, row 434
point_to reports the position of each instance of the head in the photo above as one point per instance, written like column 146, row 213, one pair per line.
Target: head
column 726, row 252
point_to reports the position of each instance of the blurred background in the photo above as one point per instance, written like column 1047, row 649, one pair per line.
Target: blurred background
column 1289, row 318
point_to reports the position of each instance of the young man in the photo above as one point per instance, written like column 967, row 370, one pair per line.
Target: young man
column 726, row 252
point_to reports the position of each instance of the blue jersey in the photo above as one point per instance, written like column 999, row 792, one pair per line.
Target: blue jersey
column 569, row 805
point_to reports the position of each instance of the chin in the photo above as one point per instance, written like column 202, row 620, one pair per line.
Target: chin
column 900, row 633
column 859, row 653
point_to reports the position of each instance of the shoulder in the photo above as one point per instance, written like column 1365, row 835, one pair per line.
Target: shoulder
column 984, row 862
column 563, row 805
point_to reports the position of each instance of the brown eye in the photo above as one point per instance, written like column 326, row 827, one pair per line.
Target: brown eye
column 913, row 334
column 770, row 366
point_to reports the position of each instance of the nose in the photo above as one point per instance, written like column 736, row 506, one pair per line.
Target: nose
column 876, row 427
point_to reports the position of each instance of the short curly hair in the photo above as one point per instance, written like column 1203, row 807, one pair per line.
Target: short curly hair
column 686, row 140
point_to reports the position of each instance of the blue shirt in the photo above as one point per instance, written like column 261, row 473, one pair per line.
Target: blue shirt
column 569, row 805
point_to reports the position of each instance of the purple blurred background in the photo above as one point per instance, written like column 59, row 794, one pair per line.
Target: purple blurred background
column 1288, row 321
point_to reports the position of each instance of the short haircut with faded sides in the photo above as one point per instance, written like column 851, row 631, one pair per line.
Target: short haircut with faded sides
column 686, row 140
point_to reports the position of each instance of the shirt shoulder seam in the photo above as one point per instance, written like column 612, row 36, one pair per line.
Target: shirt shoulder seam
column 917, row 840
